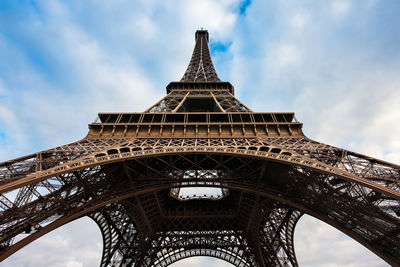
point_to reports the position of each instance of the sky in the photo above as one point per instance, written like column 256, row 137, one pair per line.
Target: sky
column 335, row 63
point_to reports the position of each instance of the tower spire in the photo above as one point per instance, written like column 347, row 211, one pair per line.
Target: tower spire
column 201, row 68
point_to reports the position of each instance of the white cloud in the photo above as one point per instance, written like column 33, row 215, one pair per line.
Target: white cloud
column 78, row 243
column 318, row 244
column 283, row 56
column 217, row 17
column 146, row 26
column 340, row 8
column 74, row 264
column 300, row 20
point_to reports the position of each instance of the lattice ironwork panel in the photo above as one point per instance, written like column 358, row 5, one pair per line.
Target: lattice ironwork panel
column 201, row 67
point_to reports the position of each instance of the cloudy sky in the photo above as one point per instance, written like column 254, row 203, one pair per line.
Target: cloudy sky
column 335, row 63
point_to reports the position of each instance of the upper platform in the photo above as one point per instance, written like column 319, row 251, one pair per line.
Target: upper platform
column 209, row 86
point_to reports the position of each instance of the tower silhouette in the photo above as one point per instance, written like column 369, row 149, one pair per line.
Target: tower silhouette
column 200, row 174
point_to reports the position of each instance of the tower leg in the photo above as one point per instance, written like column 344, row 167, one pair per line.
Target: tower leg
column 120, row 237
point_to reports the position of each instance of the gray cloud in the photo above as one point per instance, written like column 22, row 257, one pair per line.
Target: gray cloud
column 318, row 244
column 78, row 243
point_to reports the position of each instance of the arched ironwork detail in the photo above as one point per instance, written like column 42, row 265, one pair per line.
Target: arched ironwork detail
column 266, row 190
column 275, row 154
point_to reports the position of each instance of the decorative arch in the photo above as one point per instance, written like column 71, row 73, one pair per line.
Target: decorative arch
column 124, row 152
column 218, row 254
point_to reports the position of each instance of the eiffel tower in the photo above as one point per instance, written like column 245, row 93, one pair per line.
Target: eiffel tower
column 200, row 174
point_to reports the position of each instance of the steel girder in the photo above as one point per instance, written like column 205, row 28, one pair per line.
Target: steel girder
column 174, row 100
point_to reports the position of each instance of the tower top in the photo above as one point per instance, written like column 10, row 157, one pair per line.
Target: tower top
column 202, row 34
column 201, row 68
column 201, row 74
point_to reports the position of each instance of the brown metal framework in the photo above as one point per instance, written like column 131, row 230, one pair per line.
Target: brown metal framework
column 200, row 174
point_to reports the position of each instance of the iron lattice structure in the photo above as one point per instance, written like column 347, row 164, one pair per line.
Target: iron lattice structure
column 199, row 173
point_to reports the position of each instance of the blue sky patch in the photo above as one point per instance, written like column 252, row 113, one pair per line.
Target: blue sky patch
column 18, row 4
column 35, row 6
column 243, row 6
column 219, row 47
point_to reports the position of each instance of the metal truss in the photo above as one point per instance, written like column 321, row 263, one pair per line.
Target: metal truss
column 175, row 101
column 201, row 68
column 129, row 172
